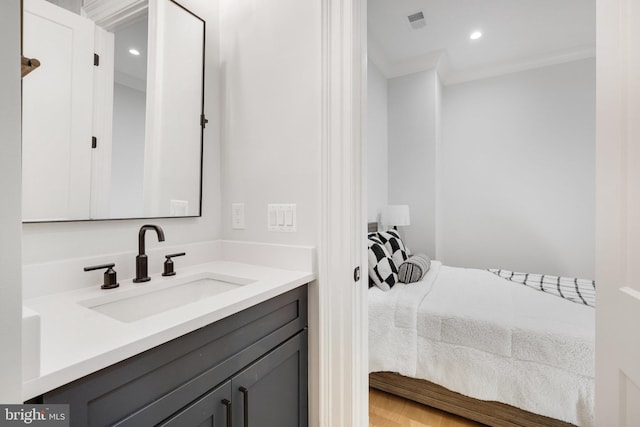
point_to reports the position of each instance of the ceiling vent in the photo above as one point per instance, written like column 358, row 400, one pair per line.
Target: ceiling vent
column 416, row 20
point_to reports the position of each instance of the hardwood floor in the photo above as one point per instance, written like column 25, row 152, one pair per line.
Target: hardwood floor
column 387, row 410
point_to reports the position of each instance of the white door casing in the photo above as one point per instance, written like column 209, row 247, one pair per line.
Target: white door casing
column 618, row 213
column 10, row 207
column 343, row 352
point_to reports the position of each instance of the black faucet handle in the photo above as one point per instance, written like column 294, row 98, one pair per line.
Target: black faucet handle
column 110, row 279
column 98, row 267
column 168, row 264
column 175, row 255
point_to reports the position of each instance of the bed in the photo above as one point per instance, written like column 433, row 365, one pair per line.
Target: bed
column 472, row 343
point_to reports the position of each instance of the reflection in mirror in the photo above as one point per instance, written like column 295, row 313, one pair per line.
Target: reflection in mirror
column 118, row 134
column 56, row 113
column 174, row 111
column 129, row 108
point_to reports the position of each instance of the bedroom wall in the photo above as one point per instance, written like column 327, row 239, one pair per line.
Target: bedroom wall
column 413, row 102
column 517, row 169
column 376, row 162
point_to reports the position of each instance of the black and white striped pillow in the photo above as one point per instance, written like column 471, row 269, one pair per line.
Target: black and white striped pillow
column 382, row 269
column 394, row 245
column 414, row 268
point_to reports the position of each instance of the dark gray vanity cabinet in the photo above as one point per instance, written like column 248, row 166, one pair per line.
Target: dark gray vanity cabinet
column 247, row 370
column 211, row 410
column 267, row 392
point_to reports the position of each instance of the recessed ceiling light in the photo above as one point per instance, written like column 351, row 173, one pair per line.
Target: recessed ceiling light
column 135, row 52
column 475, row 35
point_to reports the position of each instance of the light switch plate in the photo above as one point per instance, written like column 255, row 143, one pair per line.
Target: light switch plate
column 237, row 216
column 281, row 217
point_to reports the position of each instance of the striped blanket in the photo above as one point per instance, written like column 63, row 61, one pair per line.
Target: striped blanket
column 581, row 291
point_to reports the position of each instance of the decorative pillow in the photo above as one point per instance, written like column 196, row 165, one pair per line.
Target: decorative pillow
column 414, row 268
column 393, row 243
column 382, row 269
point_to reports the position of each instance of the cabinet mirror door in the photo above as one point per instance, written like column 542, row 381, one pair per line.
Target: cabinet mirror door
column 113, row 118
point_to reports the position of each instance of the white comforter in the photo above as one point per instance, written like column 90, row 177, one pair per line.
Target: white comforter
column 485, row 337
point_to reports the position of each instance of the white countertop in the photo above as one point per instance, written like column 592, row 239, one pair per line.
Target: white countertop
column 77, row 341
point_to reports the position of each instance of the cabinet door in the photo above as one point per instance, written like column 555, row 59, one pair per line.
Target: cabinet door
column 211, row 410
column 272, row 392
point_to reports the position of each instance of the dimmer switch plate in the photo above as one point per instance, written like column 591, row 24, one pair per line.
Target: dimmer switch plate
column 281, row 217
column 237, row 216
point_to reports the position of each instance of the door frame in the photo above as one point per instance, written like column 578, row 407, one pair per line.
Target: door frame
column 617, row 211
column 342, row 392
column 11, row 206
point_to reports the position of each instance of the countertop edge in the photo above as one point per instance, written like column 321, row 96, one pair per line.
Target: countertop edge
column 49, row 381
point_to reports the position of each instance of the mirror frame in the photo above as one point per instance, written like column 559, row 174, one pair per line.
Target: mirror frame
column 109, row 14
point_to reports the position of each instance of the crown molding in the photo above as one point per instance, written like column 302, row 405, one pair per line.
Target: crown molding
column 439, row 60
column 414, row 65
column 462, row 76
column 377, row 56
column 109, row 14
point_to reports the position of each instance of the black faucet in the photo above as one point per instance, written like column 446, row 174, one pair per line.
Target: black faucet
column 141, row 260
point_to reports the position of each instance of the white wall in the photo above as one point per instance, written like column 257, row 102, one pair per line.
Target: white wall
column 413, row 129
column 497, row 172
column 10, row 208
column 376, row 162
column 127, row 161
column 56, row 241
column 272, row 115
column 271, row 153
column 518, row 171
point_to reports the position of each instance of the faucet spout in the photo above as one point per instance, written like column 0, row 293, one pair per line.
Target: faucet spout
column 141, row 235
column 141, row 260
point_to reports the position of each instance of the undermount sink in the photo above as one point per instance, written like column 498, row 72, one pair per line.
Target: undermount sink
column 154, row 298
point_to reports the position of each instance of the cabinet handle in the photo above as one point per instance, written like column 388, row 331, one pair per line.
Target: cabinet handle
column 227, row 403
column 245, row 393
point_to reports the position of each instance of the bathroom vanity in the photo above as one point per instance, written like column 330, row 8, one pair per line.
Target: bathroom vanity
column 221, row 337
column 221, row 343
column 247, row 369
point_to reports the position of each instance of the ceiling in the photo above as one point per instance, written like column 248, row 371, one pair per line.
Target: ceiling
column 131, row 70
column 517, row 35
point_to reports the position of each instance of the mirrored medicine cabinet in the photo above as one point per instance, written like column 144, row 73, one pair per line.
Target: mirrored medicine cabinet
column 113, row 118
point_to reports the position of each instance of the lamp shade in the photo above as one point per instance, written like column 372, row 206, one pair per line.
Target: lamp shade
column 395, row 215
